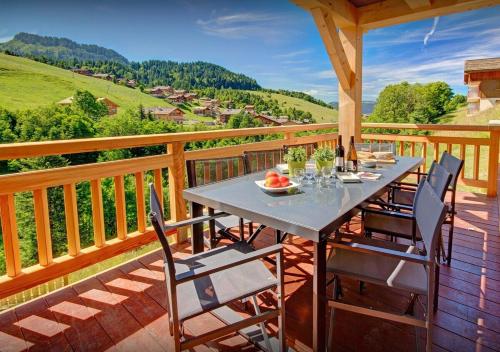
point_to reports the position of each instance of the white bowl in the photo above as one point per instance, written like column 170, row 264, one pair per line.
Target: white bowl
column 262, row 185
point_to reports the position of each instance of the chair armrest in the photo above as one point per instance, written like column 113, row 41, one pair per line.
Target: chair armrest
column 394, row 206
column 196, row 273
column 192, row 221
column 364, row 248
column 401, row 183
column 390, row 213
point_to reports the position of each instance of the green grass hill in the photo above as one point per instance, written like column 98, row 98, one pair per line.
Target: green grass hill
column 26, row 84
column 320, row 113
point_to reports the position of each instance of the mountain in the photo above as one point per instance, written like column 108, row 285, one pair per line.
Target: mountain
column 367, row 107
column 53, row 48
column 67, row 54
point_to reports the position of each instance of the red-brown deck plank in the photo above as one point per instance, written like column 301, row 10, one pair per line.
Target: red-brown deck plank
column 124, row 308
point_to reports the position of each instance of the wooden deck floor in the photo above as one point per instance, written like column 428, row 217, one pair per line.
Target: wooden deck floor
column 123, row 309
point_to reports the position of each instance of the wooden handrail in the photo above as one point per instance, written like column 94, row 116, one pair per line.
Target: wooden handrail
column 17, row 278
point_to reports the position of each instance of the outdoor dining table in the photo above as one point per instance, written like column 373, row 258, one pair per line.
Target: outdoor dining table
column 313, row 213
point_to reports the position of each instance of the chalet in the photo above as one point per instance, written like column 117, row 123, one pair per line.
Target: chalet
column 155, row 92
column 483, row 80
column 105, row 76
column 201, row 110
column 112, row 106
column 226, row 114
column 180, row 91
column 164, row 113
column 65, row 102
column 82, row 71
column 190, row 96
column 176, row 98
column 131, row 83
column 274, row 121
column 250, row 109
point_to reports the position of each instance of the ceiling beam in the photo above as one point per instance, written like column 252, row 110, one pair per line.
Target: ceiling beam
column 344, row 13
column 333, row 45
column 416, row 4
column 393, row 12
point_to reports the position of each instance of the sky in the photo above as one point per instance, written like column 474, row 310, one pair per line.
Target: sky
column 275, row 42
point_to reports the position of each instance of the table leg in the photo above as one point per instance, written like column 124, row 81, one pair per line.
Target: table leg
column 196, row 229
column 211, row 230
column 319, row 297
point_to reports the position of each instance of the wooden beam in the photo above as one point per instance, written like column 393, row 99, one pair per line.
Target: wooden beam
column 343, row 11
column 333, row 45
column 415, row 4
column 350, row 98
column 393, row 12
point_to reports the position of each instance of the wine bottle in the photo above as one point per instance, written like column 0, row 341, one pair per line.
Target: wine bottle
column 352, row 157
column 339, row 156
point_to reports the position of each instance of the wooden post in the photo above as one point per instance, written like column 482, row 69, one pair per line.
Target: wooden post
column 97, row 213
column 71, row 213
column 43, row 237
column 493, row 158
column 176, row 186
column 350, row 99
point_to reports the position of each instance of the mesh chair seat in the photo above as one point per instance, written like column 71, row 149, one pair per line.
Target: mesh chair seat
column 229, row 222
column 213, row 291
column 380, row 270
column 405, row 197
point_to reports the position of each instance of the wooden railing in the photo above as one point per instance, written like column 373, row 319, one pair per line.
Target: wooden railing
column 172, row 162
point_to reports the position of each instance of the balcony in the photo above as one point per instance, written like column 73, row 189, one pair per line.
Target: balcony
column 124, row 306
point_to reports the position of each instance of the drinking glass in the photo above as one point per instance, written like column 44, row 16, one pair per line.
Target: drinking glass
column 327, row 175
column 299, row 175
column 310, row 174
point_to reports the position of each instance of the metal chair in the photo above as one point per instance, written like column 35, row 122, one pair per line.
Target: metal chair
column 393, row 265
column 209, row 281
column 261, row 160
column 204, row 171
column 376, row 147
column 398, row 220
column 404, row 192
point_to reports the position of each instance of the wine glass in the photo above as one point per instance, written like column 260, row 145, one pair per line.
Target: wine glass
column 310, row 174
column 299, row 175
column 327, row 175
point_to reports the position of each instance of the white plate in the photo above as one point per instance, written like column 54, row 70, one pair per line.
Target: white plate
column 261, row 184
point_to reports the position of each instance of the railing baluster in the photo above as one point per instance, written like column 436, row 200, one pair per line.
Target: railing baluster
column 71, row 215
column 121, row 212
column 97, row 213
column 449, row 148
column 436, row 151
column 401, row 148
column 241, row 166
column 475, row 174
column 139, row 200
column 206, row 172
column 218, row 171
column 230, row 166
column 42, row 222
column 462, row 156
column 10, row 235
column 424, row 152
column 412, row 149
column 158, row 182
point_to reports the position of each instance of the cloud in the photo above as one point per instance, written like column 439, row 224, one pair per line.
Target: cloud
column 244, row 25
column 292, row 54
column 432, row 31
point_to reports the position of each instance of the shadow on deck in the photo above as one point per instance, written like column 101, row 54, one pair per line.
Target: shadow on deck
column 124, row 308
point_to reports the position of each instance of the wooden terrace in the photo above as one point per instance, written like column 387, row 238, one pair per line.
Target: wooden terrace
column 123, row 309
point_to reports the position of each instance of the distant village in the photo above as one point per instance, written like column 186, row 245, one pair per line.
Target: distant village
column 202, row 106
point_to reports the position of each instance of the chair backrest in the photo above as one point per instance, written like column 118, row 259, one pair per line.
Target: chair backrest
column 204, row 171
column 429, row 213
column 376, row 147
column 156, row 217
column 439, row 178
column 454, row 166
column 260, row 160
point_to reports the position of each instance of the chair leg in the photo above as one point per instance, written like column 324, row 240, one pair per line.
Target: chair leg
column 262, row 325
column 410, row 310
column 436, row 289
column 250, row 228
column 361, row 286
column 450, row 241
column 336, row 289
column 430, row 312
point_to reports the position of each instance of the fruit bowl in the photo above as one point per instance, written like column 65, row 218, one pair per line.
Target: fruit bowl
column 262, row 185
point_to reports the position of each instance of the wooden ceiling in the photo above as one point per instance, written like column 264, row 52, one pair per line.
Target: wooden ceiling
column 371, row 14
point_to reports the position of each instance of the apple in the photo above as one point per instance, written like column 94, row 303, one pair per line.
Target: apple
column 272, row 174
column 273, row 182
column 284, row 181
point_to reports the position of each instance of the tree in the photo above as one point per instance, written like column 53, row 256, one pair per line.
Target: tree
column 88, row 104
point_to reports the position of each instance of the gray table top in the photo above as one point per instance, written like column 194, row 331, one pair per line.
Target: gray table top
column 311, row 213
